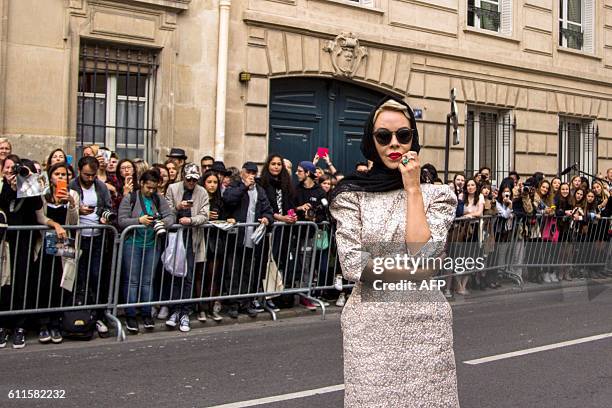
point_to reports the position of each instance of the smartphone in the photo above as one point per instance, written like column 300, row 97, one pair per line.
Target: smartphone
column 190, row 202
column 106, row 154
column 69, row 160
column 61, row 185
column 322, row 152
column 291, row 212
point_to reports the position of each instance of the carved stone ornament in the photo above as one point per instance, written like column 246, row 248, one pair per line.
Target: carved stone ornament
column 346, row 54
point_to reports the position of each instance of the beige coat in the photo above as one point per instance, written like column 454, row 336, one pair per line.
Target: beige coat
column 199, row 214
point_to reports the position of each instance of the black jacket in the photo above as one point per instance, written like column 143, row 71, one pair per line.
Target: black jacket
column 288, row 201
column 314, row 196
column 236, row 202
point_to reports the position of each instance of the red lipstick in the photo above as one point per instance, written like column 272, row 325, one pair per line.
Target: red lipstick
column 394, row 156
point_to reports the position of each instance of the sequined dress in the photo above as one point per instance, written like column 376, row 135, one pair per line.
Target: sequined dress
column 397, row 352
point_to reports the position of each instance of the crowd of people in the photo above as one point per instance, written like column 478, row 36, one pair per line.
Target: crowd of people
column 101, row 189
column 560, row 223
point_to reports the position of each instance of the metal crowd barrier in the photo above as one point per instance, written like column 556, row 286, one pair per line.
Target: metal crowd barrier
column 79, row 276
column 127, row 270
column 233, row 269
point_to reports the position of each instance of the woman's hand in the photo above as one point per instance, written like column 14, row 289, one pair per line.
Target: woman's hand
column 145, row 220
column 60, row 232
column 411, row 171
column 213, row 215
column 12, row 179
column 185, row 221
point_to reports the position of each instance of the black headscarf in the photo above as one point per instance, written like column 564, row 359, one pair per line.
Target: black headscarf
column 380, row 178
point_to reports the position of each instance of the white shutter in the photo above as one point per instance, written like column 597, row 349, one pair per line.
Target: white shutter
column 506, row 17
column 505, row 154
column 588, row 26
column 588, row 148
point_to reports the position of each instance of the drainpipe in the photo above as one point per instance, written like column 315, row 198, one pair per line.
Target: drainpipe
column 224, row 17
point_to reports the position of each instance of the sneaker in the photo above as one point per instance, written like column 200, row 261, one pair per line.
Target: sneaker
column 217, row 306
column 272, row 306
column 154, row 311
column 553, row 277
column 202, row 317
column 173, row 320
column 101, row 327
column 19, row 339
column 163, row 313
column 148, row 323
column 44, row 336
column 185, row 327
column 307, row 303
column 3, row 337
column 251, row 311
column 216, row 316
column 131, row 325
column 233, row 312
column 448, row 294
column 338, row 282
column 341, row 300
column 56, row 336
column 257, row 306
column 546, row 278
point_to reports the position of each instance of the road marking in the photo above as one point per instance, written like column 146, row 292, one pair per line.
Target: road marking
column 538, row 349
column 284, row 397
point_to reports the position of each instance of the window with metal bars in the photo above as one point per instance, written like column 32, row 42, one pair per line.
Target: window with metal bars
column 116, row 94
column 577, row 144
column 489, row 142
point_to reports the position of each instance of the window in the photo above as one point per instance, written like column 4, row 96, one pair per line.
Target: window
column 492, row 15
column 365, row 3
column 576, row 24
column 115, row 99
column 489, row 142
column 577, row 144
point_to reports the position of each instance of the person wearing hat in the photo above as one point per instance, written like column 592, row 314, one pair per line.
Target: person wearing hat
column 190, row 203
column 311, row 203
column 178, row 155
column 246, row 202
column 218, row 167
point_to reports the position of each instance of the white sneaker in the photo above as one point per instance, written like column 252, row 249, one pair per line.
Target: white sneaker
column 448, row 294
column 341, row 300
column 154, row 311
column 553, row 277
column 184, row 327
column 202, row 317
column 101, row 327
column 163, row 313
column 547, row 277
column 173, row 320
column 338, row 282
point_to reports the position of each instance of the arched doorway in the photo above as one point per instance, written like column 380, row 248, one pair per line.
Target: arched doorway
column 307, row 113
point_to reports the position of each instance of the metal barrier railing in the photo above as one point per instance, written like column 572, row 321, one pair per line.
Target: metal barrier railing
column 233, row 267
column 113, row 272
column 44, row 275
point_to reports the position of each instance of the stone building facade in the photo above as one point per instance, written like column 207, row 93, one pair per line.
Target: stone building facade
column 533, row 77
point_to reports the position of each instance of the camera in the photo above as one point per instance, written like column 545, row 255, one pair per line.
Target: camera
column 316, row 207
column 108, row 215
column 22, row 170
column 507, row 194
column 159, row 227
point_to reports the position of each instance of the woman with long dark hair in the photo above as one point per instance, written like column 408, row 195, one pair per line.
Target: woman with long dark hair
column 378, row 215
column 56, row 156
column 563, row 213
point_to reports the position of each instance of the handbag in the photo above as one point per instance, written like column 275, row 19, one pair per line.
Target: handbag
column 321, row 240
column 174, row 257
column 550, row 232
column 273, row 282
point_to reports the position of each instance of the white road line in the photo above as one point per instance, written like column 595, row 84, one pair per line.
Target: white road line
column 537, row 349
column 284, row 397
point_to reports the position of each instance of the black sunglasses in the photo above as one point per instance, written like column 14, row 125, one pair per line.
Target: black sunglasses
column 383, row 136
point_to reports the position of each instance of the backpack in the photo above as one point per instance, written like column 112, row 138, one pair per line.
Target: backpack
column 79, row 324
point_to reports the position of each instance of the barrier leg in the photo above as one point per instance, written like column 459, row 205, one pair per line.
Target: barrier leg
column 321, row 304
column 118, row 326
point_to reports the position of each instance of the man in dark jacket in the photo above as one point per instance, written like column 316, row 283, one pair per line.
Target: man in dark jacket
column 246, row 202
column 310, row 198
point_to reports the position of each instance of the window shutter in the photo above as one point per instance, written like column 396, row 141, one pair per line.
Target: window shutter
column 588, row 26
column 505, row 154
column 588, row 141
column 506, row 17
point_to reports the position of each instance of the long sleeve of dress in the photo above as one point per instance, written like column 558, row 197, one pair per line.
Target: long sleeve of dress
column 346, row 210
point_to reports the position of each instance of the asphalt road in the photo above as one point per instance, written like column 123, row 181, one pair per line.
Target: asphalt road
column 226, row 364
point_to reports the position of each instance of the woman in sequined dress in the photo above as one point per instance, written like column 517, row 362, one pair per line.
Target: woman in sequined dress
column 398, row 346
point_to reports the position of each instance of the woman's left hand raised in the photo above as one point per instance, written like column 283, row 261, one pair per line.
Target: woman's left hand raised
column 410, row 168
